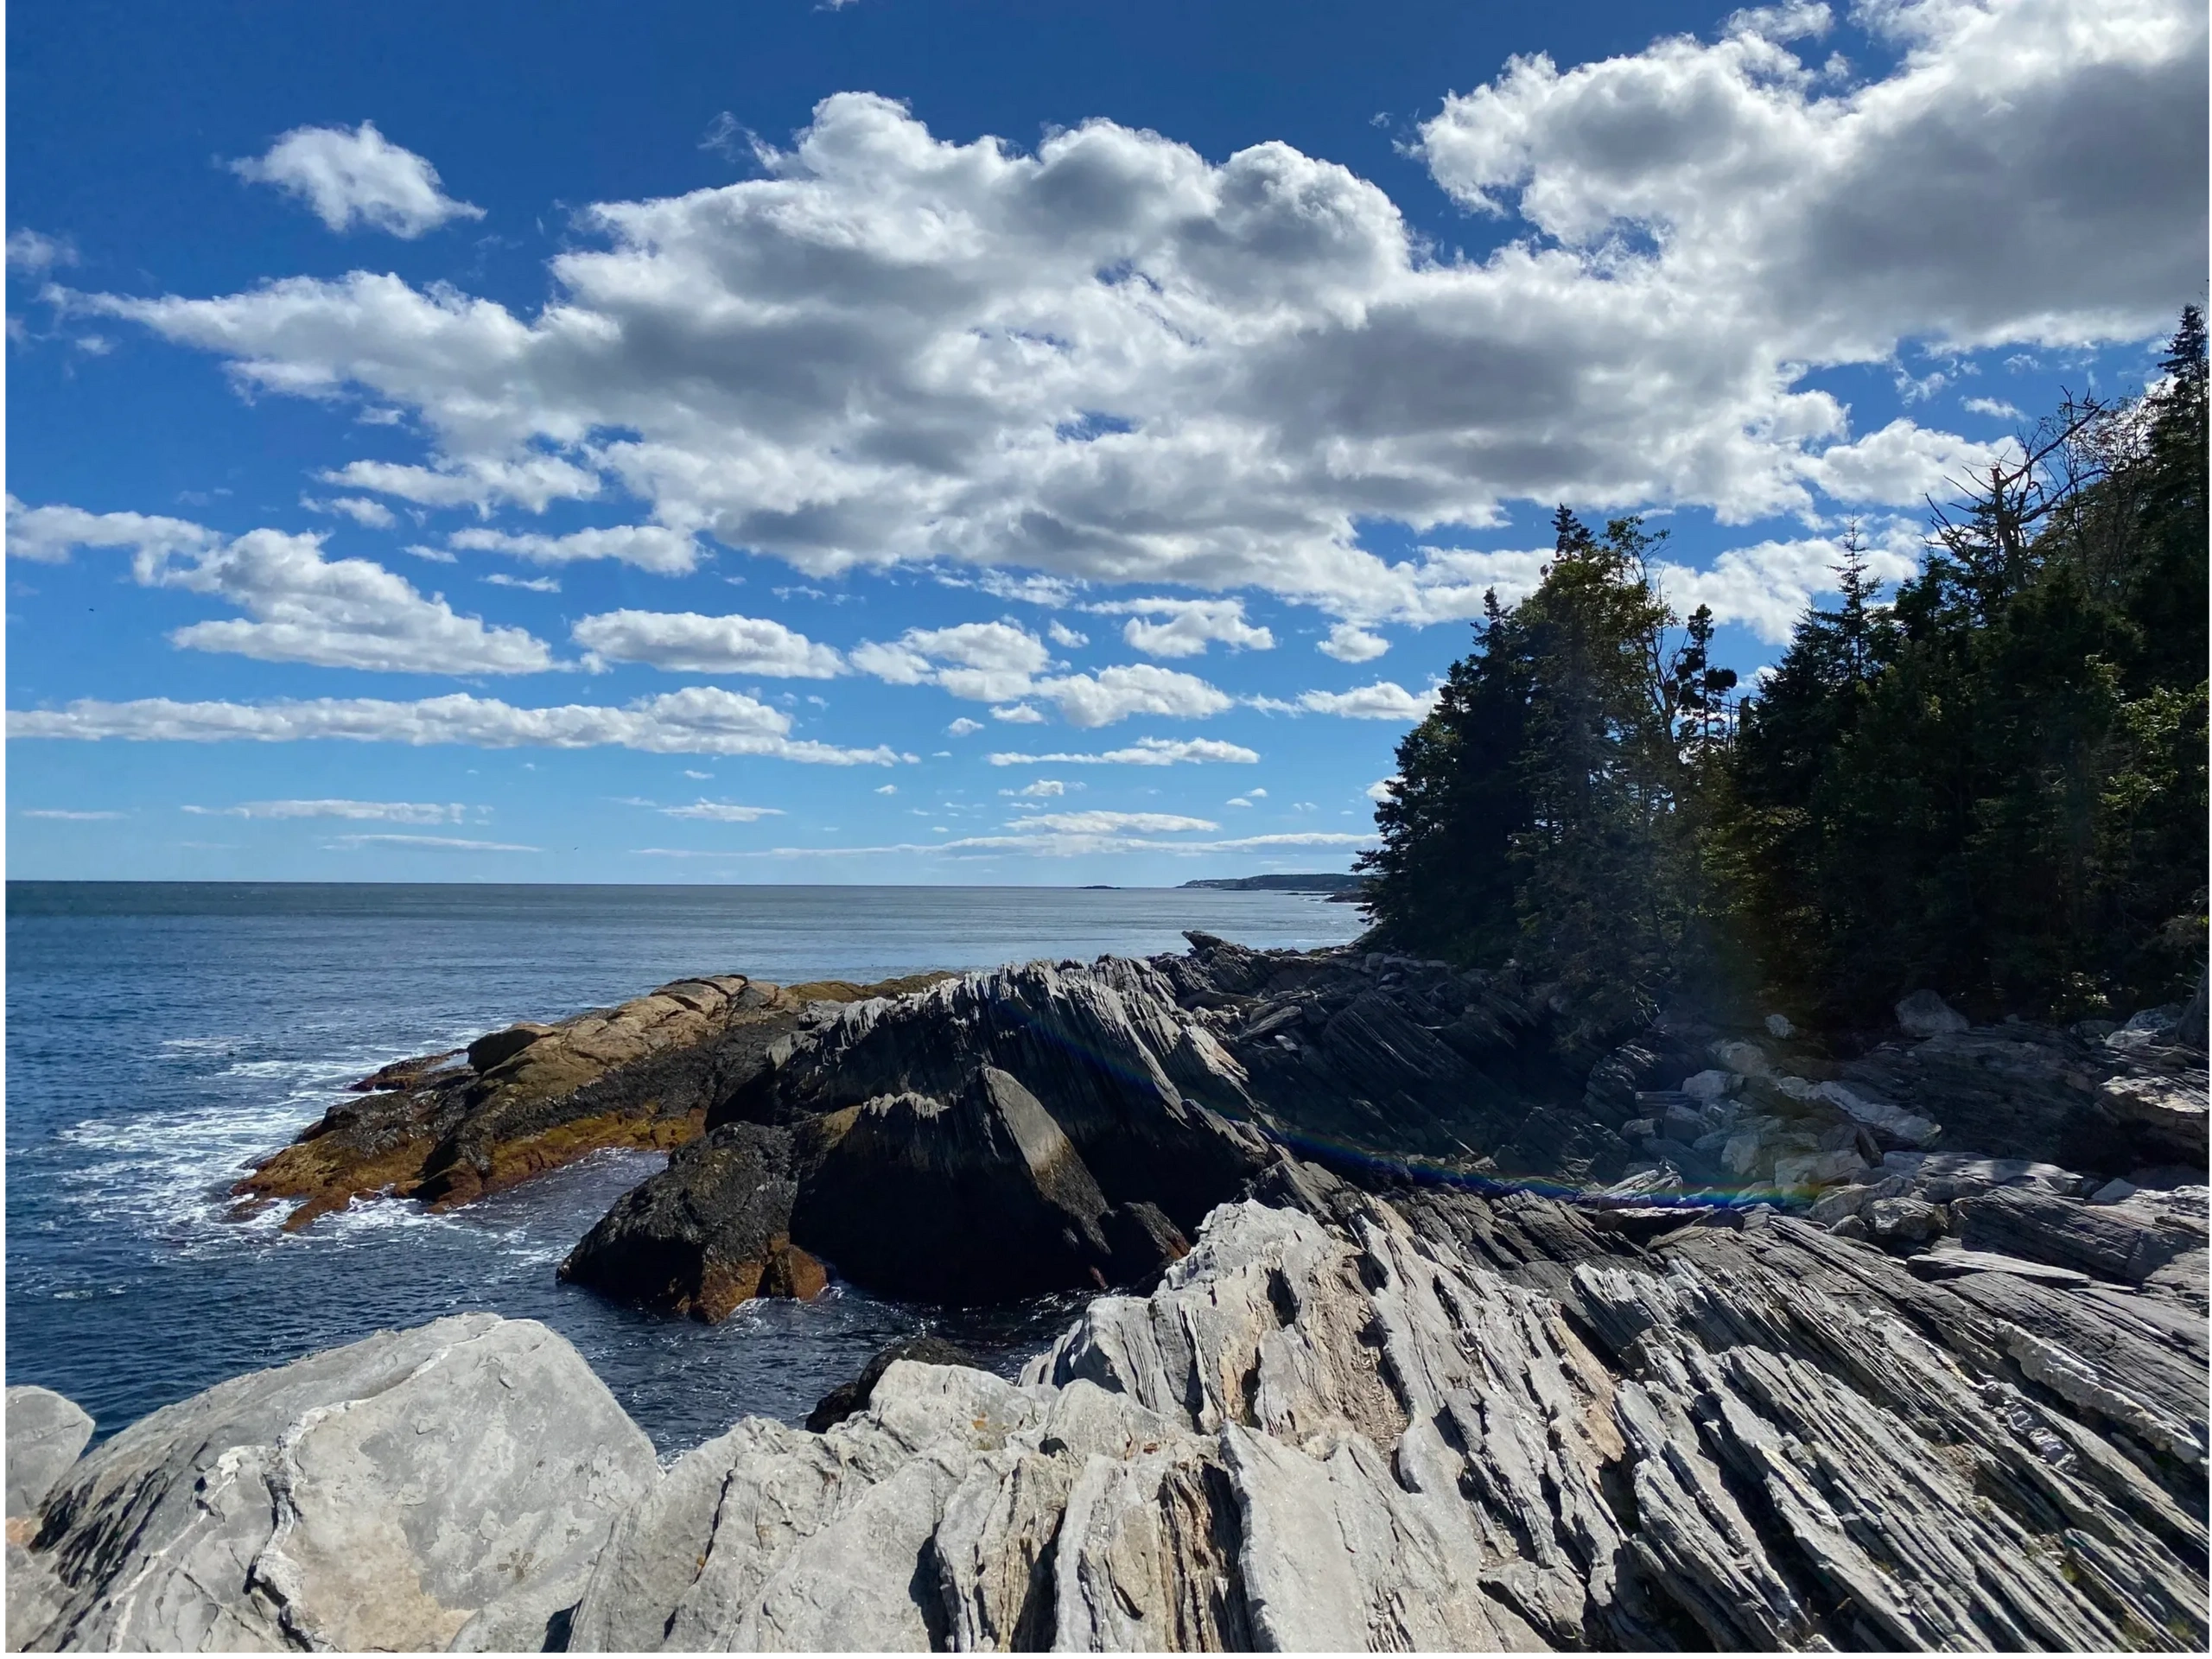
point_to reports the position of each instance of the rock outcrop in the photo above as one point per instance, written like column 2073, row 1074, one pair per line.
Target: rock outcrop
column 46, row 1433
column 1353, row 1428
column 448, row 1128
column 1148, row 1101
column 847, row 1398
column 446, row 1487
column 1360, row 1419
column 711, row 1231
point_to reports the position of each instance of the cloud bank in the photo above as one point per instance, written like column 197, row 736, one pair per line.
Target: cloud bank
column 1113, row 360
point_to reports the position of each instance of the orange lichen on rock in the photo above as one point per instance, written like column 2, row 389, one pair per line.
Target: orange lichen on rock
column 783, row 1269
column 451, row 1128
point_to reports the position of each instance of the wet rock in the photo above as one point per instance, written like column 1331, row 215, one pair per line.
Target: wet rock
column 447, row 1485
column 1926, row 1015
column 847, row 1398
column 46, row 1432
column 711, row 1231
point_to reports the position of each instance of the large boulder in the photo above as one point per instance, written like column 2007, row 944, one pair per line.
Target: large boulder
column 1354, row 1055
column 2167, row 1110
column 46, row 1433
column 2022, row 1091
column 709, row 1232
column 1926, row 1015
column 449, row 1485
column 974, row 1195
column 1148, row 1099
column 848, row 1399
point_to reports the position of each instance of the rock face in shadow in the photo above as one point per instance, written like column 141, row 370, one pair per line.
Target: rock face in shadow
column 1146, row 1099
column 712, row 1232
column 1358, row 1057
column 974, row 1196
column 1345, row 1422
column 448, row 1128
column 446, row 1487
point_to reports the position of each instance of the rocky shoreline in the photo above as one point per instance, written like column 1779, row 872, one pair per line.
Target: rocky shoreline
column 1430, row 1419
column 1407, row 1330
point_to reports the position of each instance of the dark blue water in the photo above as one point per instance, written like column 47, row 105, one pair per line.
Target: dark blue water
column 162, row 1036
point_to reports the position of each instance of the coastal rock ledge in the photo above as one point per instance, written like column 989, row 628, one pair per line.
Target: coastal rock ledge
column 1346, row 1420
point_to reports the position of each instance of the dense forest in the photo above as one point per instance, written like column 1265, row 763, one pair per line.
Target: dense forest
column 1991, row 781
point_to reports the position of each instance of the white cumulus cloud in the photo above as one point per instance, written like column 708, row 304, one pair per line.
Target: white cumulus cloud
column 48, row 534
column 531, row 481
column 376, row 811
column 1148, row 824
column 1384, row 700
column 649, row 547
column 698, row 720
column 984, row 662
column 303, row 607
column 1115, row 694
column 1190, row 625
column 1145, row 751
column 708, row 644
column 721, row 813
column 1349, row 643
column 1113, row 360
column 352, row 176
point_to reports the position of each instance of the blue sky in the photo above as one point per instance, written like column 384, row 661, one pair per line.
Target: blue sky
column 978, row 443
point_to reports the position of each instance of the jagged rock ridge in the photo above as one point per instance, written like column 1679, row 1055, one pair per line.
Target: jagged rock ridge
column 1432, row 1420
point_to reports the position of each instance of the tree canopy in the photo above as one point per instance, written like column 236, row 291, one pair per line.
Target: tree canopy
column 1993, row 783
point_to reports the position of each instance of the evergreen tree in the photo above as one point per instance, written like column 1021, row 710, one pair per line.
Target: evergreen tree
column 1994, row 784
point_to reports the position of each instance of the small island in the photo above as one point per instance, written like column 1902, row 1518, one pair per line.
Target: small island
column 1321, row 882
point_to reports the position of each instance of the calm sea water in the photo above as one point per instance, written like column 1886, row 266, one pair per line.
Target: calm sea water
column 162, row 1036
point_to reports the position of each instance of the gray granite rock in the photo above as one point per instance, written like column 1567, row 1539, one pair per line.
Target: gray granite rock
column 1361, row 1424
column 418, row 1489
column 46, row 1431
column 1926, row 1015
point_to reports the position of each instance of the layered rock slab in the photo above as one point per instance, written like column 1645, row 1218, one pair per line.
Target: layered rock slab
column 450, row 1128
column 445, row 1486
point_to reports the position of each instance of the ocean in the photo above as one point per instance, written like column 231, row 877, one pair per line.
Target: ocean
column 161, row 1036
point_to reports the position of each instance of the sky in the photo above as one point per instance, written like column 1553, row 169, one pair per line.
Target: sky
column 976, row 443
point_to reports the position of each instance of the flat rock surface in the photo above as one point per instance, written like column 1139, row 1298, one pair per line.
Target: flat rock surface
column 447, row 1485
